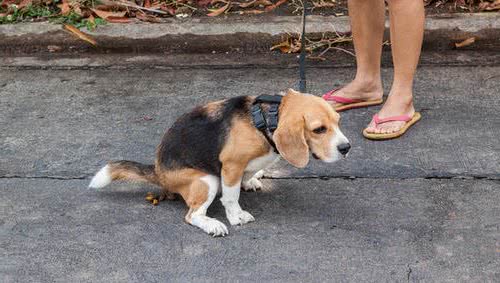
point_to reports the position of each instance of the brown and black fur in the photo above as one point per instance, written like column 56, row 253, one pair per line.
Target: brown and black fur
column 197, row 138
column 192, row 145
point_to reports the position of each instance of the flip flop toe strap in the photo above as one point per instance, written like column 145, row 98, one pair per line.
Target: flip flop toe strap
column 402, row 118
column 338, row 99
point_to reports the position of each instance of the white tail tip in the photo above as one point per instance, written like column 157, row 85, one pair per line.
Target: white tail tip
column 101, row 179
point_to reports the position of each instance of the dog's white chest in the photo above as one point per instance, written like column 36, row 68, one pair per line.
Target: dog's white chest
column 262, row 162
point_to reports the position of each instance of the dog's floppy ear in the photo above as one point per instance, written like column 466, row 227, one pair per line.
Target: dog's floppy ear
column 291, row 142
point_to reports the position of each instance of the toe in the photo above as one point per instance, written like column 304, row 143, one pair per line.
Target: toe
column 220, row 229
column 371, row 128
column 225, row 230
column 241, row 218
column 246, row 217
column 219, row 232
column 233, row 220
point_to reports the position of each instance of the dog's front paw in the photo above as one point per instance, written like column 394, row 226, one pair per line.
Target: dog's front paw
column 253, row 184
column 240, row 217
column 215, row 228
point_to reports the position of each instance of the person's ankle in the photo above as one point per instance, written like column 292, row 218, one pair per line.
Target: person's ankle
column 403, row 100
column 402, row 93
column 369, row 84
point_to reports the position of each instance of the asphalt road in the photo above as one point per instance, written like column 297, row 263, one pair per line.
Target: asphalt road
column 423, row 208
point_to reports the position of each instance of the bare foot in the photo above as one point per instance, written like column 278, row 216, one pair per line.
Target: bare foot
column 362, row 90
column 395, row 105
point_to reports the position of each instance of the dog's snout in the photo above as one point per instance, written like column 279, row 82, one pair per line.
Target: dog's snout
column 344, row 148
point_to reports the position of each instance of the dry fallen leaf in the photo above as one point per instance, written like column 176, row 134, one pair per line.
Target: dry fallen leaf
column 263, row 3
column 83, row 36
column 75, row 7
column 254, row 3
column 214, row 2
column 287, row 46
column 204, row 3
column 128, row 4
column 24, row 3
column 147, row 18
column 274, row 6
column 485, row 6
column 219, row 11
column 65, row 8
column 105, row 14
column 324, row 4
column 252, row 12
column 8, row 2
column 466, row 42
column 169, row 9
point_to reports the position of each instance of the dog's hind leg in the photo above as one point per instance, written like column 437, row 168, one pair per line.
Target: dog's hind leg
column 166, row 195
column 198, row 197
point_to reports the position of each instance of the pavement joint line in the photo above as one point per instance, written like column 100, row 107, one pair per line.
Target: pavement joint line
column 221, row 67
column 326, row 178
column 45, row 177
column 323, row 178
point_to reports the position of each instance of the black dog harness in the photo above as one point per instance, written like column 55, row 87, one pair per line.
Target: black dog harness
column 267, row 123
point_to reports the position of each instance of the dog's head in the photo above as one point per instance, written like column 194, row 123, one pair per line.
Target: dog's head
column 307, row 124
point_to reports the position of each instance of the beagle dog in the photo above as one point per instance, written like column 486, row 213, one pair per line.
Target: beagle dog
column 216, row 148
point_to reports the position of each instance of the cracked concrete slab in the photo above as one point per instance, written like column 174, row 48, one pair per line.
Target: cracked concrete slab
column 68, row 123
column 361, row 230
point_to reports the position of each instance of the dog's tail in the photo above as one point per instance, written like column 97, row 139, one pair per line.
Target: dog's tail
column 123, row 170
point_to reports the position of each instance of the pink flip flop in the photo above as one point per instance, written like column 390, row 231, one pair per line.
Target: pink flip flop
column 410, row 121
column 343, row 103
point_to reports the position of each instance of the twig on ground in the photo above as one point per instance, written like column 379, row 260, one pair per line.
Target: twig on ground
column 132, row 5
column 325, row 43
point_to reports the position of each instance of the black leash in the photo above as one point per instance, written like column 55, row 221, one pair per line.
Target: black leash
column 302, row 57
column 267, row 123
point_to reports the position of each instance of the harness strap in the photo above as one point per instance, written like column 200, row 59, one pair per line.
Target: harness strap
column 267, row 123
column 266, row 98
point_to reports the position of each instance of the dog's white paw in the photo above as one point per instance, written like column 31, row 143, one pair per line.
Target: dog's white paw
column 216, row 228
column 210, row 225
column 253, row 184
column 240, row 217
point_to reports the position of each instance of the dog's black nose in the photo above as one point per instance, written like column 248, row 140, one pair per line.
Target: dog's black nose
column 344, row 148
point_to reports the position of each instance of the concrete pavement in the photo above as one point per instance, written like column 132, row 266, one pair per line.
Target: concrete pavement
column 67, row 123
column 423, row 208
column 364, row 230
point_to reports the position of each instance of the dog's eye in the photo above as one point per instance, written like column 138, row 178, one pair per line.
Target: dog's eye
column 320, row 130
